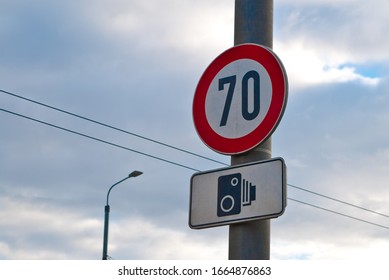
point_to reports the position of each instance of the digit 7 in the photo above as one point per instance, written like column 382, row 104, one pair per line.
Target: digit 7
column 232, row 81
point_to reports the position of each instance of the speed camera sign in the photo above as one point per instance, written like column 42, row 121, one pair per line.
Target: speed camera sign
column 240, row 99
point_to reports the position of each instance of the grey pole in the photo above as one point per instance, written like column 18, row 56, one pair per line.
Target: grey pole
column 106, row 213
column 253, row 24
column 106, row 223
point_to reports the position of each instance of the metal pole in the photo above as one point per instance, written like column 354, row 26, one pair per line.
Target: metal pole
column 106, row 222
column 107, row 209
column 253, row 24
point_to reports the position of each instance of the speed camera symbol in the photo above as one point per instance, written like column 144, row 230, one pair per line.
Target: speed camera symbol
column 233, row 193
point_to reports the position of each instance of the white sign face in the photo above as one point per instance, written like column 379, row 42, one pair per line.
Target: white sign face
column 237, row 86
column 239, row 193
column 240, row 99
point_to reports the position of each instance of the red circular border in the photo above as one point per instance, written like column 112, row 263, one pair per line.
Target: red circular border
column 275, row 69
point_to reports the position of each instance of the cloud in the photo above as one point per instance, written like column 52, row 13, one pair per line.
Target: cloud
column 328, row 42
column 306, row 66
column 137, row 238
column 39, row 226
column 183, row 30
column 135, row 65
column 352, row 27
column 35, row 227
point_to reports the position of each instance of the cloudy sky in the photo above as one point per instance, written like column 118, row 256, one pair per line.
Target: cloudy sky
column 135, row 65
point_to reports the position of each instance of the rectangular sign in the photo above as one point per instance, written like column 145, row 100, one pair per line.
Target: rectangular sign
column 239, row 193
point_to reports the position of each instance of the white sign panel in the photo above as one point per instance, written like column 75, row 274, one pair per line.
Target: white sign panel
column 240, row 193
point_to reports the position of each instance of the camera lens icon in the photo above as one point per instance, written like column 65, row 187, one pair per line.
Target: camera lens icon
column 230, row 199
column 227, row 202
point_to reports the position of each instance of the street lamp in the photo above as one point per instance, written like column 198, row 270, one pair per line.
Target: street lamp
column 107, row 208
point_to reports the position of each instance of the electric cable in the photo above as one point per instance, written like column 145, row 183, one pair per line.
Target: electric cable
column 338, row 213
column 169, row 146
column 172, row 162
column 154, row 141
column 98, row 139
column 340, row 201
column 111, row 126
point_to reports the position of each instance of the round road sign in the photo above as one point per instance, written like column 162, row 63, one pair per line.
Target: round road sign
column 240, row 99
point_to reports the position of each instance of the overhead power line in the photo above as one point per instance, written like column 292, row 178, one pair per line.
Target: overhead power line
column 111, row 127
column 157, row 142
column 168, row 161
column 98, row 139
column 338, row 213
column 340, row 201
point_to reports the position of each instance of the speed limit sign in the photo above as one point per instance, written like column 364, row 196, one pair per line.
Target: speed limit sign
column 240, row 99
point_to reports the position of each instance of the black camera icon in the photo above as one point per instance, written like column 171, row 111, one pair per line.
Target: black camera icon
column 233, row 192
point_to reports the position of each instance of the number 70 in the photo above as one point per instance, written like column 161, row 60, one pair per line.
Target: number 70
column 231, row 80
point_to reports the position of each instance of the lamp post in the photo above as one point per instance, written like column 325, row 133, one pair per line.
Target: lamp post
column 107, row 208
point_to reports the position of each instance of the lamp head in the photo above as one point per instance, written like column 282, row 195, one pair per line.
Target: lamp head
column 135, row 173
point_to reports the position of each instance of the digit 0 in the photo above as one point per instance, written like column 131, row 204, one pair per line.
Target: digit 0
column 245, row 95
column 231, row 80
